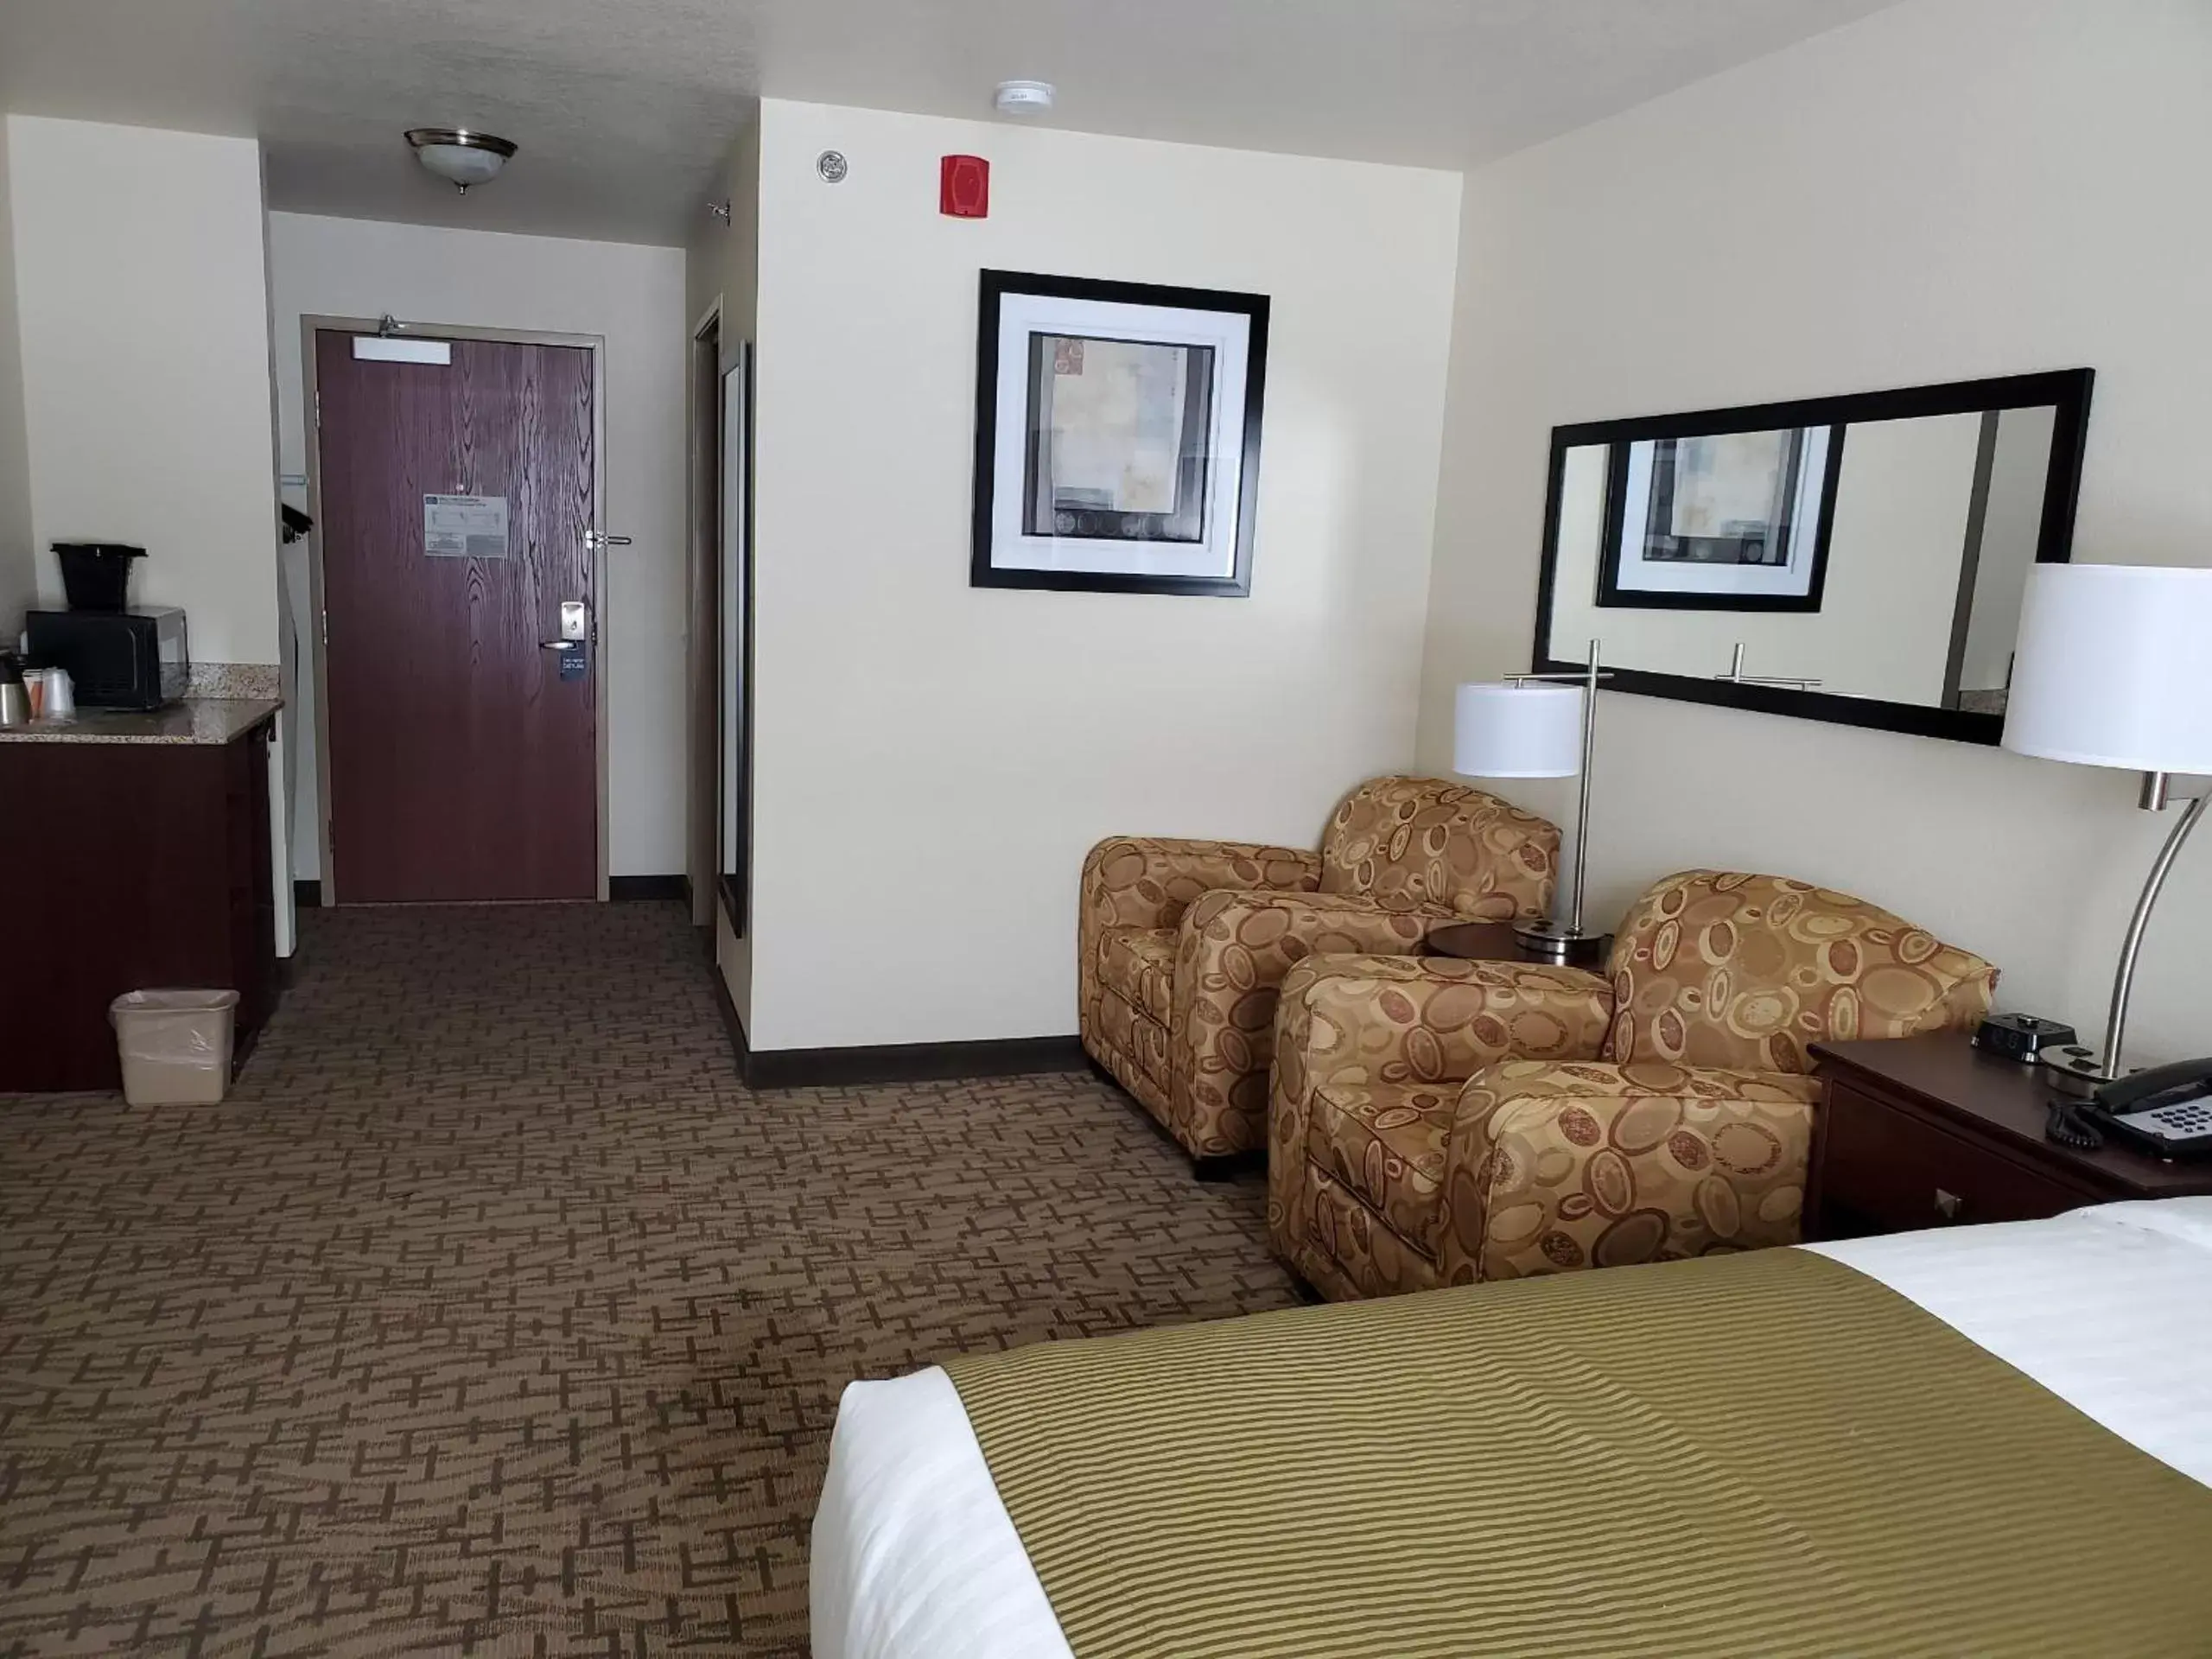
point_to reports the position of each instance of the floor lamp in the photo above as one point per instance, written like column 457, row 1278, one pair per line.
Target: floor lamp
column 2112, row 671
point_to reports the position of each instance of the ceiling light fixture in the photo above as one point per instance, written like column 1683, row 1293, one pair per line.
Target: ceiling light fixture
column 1024, row 97
column 459, row 157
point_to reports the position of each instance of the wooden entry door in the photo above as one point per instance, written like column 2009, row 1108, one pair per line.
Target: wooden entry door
column 463, row 756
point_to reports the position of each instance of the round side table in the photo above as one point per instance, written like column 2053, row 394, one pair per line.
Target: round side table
column 1496, row 942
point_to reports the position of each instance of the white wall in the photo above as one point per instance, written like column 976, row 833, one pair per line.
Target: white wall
column 933, row 760
column 633, row 297
column 18, row 567
column 143, row 302
column 1983, row 186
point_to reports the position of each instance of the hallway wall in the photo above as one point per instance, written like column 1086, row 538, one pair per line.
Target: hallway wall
column 630, row 295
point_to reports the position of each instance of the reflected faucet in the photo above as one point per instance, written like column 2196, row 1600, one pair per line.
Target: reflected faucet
column 1735, row 676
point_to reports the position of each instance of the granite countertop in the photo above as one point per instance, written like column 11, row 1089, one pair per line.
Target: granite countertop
column 195, row 720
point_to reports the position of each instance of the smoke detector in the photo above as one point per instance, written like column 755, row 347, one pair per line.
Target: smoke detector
column 1024, row 97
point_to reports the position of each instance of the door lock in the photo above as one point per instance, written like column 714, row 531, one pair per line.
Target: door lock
column 594, row 539
column 576, row 634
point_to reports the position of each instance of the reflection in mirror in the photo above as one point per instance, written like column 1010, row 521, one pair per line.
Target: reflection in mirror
column 1874, row 547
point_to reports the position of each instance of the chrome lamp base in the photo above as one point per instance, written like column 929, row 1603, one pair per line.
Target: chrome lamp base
column 1559, row 944
column 2077, row 1070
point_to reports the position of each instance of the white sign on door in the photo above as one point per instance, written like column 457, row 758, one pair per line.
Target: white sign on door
column 465, row 526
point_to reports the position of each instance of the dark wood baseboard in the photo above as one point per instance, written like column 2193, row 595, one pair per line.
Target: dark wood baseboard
column 308, row 895
column 802, row 1068
column 739, row 1048
column 624, row 888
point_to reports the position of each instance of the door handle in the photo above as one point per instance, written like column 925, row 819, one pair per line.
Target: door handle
column 563, row 645
column 593, row 538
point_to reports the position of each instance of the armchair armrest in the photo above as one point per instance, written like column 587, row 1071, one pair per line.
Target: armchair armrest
column 1405, row 1019
column 1231, row 953
column 1148, row 881
column 1552, row 1166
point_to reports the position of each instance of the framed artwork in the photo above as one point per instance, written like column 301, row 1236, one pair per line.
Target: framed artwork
column 1117, row 435
column 1722, row 521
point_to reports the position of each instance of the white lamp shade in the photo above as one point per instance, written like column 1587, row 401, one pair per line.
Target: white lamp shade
column 463, row 164
column 1517, row 731
column 2114, row 668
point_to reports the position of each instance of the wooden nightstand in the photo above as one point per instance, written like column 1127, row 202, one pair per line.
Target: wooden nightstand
column 1928, row 1130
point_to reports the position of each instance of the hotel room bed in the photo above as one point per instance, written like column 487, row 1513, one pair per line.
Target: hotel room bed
column 1992, row 1439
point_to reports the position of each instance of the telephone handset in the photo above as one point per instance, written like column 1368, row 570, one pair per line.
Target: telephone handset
column 2164, row 1111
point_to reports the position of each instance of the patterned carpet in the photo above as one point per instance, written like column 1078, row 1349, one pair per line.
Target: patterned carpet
column 491, row 1315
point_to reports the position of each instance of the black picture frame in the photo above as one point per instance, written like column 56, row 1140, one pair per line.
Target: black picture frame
column 2067, row 391
column 1612, row 596
column 994, row 286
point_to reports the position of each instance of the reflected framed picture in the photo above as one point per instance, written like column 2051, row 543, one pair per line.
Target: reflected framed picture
column 1117, row 435
column 1723, row 521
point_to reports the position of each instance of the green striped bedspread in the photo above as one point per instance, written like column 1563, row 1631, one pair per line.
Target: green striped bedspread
column 1767, row 1453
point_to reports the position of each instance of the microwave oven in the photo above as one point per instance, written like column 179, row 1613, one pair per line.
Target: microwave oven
column 116, row 659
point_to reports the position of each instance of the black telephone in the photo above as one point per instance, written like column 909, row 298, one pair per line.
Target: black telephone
column 2164, row 1111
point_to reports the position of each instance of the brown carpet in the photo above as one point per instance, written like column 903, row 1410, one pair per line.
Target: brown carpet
column 491, row 1315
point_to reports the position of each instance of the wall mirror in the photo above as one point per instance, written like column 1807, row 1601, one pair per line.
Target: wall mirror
column 1859, row 559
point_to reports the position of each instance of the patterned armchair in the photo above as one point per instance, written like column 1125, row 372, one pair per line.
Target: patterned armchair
column 1435, row 1122
column 1182, row 944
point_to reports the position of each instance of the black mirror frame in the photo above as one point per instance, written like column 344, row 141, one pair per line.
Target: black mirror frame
column 2068, row 391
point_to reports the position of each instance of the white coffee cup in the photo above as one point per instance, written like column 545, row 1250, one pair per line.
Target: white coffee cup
column 61, row 695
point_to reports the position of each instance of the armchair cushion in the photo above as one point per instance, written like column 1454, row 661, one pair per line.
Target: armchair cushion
column 1552, row 1166
column 1411, row 843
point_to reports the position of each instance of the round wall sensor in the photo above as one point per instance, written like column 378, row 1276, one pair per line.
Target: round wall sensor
column 1024, row 97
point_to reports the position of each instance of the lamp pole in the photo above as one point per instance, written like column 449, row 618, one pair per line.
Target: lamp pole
column 1552, row 940
column 2107, row 1066
column 1582, row 806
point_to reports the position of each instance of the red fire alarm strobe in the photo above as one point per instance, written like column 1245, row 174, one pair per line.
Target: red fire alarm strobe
column 964, row 187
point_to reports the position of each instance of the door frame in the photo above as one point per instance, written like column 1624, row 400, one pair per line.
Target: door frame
column 319, row 617
column 703, row 767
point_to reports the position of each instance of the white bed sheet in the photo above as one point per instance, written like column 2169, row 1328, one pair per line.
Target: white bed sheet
column 2110, row 1308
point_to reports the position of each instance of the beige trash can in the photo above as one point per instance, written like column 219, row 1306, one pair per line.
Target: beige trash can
column 176, row 1045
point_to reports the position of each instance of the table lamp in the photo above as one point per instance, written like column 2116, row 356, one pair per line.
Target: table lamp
column 2111, row 671
column 1530, row 726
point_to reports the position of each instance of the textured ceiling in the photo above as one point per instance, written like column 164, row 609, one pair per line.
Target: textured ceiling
column 623, row 108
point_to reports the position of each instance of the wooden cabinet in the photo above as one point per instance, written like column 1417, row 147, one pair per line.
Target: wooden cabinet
column 1930, row 1132
column 127, row 866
